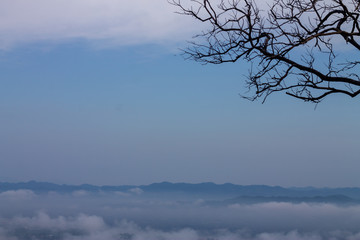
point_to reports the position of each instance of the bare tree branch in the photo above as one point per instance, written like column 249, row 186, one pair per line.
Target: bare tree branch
column 291, row 43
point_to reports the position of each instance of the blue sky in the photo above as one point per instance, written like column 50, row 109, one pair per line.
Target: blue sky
column 89, row 99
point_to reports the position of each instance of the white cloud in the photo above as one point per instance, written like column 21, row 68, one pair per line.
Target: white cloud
column 109, row 22
column 136, row 190
column 89, row 223
column 22, row 194
column 93, row 228
column 103, row 217
column 83, row 222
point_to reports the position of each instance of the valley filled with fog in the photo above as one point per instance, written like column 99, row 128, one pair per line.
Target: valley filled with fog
column 168, row 215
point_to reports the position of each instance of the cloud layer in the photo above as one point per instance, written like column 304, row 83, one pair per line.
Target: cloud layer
column 17, row 194
column 89, row 227
column 110, row 216
column 103, row 22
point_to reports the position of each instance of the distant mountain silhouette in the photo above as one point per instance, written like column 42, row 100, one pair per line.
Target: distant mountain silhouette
column 243, row 193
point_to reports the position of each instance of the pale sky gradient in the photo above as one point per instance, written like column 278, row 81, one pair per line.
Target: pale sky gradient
column 105, row 23
column 95, row 91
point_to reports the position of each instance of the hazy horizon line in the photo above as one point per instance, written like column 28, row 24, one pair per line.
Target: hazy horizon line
column 180, row 182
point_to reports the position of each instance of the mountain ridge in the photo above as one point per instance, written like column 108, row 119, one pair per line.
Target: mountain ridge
column 205, row 188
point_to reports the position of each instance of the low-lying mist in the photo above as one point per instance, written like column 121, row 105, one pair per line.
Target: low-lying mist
column 134, row 215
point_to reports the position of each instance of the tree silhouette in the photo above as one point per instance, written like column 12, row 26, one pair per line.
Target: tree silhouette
column 306, row 48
